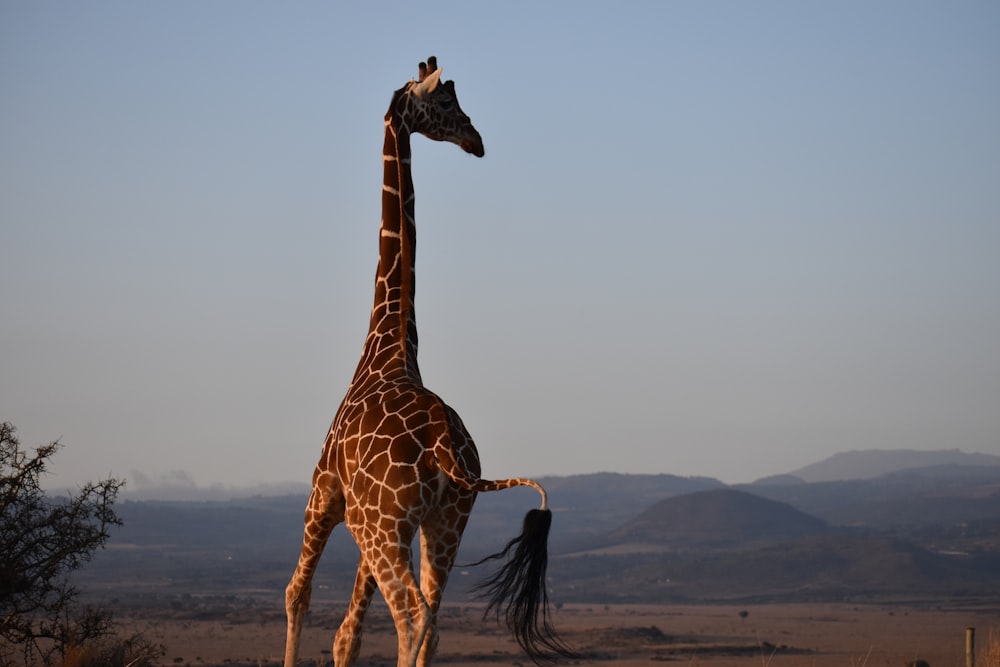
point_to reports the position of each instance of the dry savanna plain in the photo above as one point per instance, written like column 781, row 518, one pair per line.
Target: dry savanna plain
column 772, row 635
column 654, row 569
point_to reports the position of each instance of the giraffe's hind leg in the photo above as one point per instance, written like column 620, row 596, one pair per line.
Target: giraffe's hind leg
column 410, row 614
column 440, row 538
column 324, row 511
column 347, row 643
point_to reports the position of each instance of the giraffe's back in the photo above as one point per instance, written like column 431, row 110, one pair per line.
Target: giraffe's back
column 389, row 439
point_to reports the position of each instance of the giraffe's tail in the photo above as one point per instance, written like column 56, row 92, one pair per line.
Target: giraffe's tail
column 488, row 485
column 450, row 466
column 517, row 591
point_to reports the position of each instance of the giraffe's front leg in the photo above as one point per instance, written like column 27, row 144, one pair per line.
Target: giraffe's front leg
column 347, row 643
column 324, row 510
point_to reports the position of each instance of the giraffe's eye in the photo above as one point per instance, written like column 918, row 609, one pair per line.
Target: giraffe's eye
column 445, row 104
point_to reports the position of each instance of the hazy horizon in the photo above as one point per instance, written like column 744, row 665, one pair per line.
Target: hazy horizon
column 707, row 238
column 180, row 485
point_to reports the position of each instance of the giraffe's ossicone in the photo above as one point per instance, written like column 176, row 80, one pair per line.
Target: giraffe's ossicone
column 398, row 461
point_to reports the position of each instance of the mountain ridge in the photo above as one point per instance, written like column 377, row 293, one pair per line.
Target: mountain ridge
column 615, row 537
column 872, row 463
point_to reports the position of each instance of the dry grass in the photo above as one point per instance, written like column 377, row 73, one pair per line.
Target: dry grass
column 801, row 635
column 132, row 652
column 989, row 656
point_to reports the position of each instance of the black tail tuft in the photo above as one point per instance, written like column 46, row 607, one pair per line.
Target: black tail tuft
column 517, row 590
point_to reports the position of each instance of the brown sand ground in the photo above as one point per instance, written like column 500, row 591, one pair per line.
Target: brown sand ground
column 773, row 635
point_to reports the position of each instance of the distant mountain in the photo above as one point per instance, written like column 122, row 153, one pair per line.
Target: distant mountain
column 780, row 480
column 946, row 496
column 932, row 532
column 179, row 488
column 720, row 517
column 728, row 545
column 872, row 463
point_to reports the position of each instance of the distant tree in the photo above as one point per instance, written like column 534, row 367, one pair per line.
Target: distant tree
column 743, row 615
column 41, row 542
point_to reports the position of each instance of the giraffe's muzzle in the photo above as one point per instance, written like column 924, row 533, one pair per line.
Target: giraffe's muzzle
column 473, row 144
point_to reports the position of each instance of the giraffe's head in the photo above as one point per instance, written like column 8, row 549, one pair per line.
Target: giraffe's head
column 433, row 110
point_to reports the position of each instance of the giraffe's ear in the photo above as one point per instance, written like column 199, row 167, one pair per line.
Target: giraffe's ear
column 428, row 84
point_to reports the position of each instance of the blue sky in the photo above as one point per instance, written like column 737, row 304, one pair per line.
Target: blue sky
column 707, row 238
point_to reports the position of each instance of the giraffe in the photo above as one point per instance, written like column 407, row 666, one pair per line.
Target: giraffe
column 397, row 460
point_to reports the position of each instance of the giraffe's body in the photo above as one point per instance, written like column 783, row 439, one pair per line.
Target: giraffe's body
column 397, row 459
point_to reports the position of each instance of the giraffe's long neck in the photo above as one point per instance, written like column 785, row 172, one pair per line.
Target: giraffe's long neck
column 391, row 345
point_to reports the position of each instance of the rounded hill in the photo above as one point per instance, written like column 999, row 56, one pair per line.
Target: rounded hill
column 718, row 517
